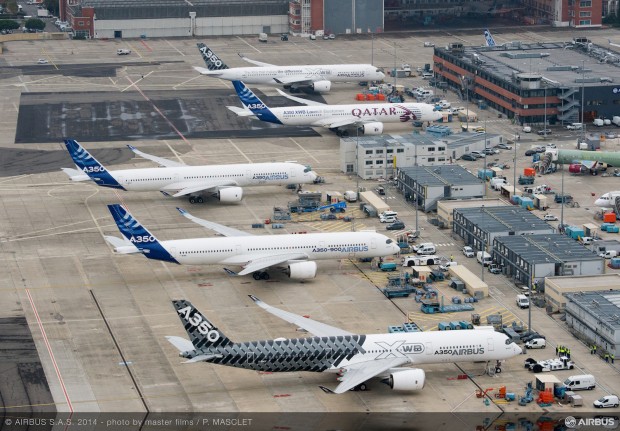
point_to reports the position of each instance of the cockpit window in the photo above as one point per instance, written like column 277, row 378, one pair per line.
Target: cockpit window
column 508, row 341
column 389, row 241
column 307, row 169
column 379, row 70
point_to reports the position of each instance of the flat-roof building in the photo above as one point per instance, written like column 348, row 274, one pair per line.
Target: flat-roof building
column 445, row 209
column 430, row 184
column 595, row 317
column 556, row 288
column 481, row 225
column 528, row 259
column 536, row 81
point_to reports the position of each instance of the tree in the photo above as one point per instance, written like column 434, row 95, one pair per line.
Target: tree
column 34, row 24
column 11, row 6
column 8, row 24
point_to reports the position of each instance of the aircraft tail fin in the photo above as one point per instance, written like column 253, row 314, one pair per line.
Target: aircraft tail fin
column 254, row 104
column 212, row 61
column 138, row 236
column 202, row 333
column 489, row 37
column 90, row 166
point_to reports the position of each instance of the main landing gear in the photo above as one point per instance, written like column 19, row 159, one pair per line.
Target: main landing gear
column 361, row 387
column 196, row 200
column 261, row 275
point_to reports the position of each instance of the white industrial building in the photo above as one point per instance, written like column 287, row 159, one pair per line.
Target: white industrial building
column 165, row 18
column 430, row 184
column 595, row 318
column 556, row 288
column 378, row 156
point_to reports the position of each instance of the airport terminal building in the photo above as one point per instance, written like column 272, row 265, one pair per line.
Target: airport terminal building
column 534, row 82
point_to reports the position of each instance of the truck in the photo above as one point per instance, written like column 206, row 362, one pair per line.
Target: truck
column 616, row 120
column 523, row 180
column 421, row 260
column 497, row 183
column 262, row 37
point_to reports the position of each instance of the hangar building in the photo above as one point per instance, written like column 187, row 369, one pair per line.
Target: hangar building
column 556, row 288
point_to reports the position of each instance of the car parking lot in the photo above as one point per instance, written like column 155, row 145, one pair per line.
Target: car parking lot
column 65, row 279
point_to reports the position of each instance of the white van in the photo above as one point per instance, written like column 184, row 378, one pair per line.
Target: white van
column 484, row 258
column 427, row 249
column 598, row 122
column 122, row 51
column 580, row 382
column 388, row 214
column 536, row 343
column 350, row 196
column 523, row 301
column 575, row 126
column 422, row 245
column 497, row 183
column 609, row 254
column 427, row 75
column 425, row 93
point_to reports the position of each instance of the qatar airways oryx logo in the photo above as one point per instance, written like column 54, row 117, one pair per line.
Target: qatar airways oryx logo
column 408, row 115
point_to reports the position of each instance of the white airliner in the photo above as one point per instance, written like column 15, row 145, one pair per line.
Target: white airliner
column 355, row 358
column 177, row 179
column 608, row 200
column 255, row 253
column 368, row 118
column 319, row 78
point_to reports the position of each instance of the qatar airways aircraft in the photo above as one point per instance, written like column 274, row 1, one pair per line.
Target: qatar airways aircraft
column 177, row 179
column 296, row 254
column 355, row 358
column 319, row 78
column 368, row 118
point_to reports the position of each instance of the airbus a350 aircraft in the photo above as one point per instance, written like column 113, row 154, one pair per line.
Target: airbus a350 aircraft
column 368, row 118
column 489, row 37
column 607, row 200
column 296, row 254
column 355, row 358
column 319, row 78
column 177, row 179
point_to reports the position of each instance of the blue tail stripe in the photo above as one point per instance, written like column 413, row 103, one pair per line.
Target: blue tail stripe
column 489, row 37
column 254, row 104
column 139, row 235
column 90, row 166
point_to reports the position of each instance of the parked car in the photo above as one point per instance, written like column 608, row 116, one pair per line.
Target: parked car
column 495, row 268
column 468, row 251
column 540, row 149
column 610, row 135
column 478, row 129
column 490, row 151
column 550, row 217
column 397, row 225
column 332, row 36
column 445, row 266
column 477, row 154
column 527, row 129
column 429, row 45
column 388, row 219
column 469, row 157
column 41, row 61
column 544, row 132
column 530, row 152
column 503, row 146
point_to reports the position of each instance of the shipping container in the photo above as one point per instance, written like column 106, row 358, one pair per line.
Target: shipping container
column 529, row 172
column 609, row 217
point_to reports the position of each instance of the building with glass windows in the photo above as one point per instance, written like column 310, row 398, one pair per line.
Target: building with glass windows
column 552, row 82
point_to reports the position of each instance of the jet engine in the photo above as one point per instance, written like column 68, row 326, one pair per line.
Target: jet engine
column 302, row 270
column 321, row 86
column 230, row 194
column 407, row 380
column 375, row 128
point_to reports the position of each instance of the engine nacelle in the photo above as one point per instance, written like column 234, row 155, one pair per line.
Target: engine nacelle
column 321, row 86
column 375, row 128
column 230, row 194
column 302, row 270
column 407, row 380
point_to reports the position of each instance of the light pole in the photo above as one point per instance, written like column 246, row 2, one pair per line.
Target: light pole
column 483, row 251
column 545, row 124
column 583, row 91
column 562, row 204
column 372, row 48
column 416, row 185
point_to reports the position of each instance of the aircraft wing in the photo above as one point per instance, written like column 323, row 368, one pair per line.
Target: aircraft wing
column 240, row 111
column 361, row 372
column 221, row 229
column 293, row 80
column 299, row 99
column 159, row 160
column 199, row 187
column 334, row 122
column 258, row 63
column 312, row 326
column 265, row 262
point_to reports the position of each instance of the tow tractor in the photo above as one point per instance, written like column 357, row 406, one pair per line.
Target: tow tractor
column 555, row 364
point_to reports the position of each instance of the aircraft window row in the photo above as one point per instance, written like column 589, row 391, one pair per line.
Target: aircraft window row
column 281, row 248
column 345, row 245
column 193, row 177
column 206, row 251
column 378, row 351
column 148, row 179
column 270, row 173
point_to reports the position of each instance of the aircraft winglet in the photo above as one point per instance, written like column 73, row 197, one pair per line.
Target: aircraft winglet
column 326, row 390
column 165, row 193
column 181, row 210
column 230, row 272
column 254, row 298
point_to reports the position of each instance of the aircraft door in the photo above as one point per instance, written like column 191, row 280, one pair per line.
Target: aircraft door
column 122, row 180
column 292, row 171
column 429, row 348
column 490, row 344
column 373, row 243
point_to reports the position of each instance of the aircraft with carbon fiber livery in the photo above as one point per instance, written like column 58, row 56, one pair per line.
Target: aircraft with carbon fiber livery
column 355, row 358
